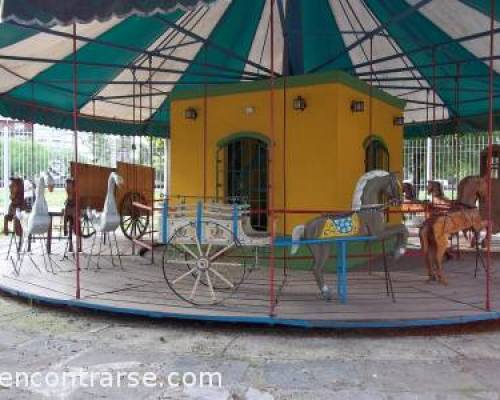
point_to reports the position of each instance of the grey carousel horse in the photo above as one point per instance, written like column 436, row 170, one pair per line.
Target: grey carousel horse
column 371, row 216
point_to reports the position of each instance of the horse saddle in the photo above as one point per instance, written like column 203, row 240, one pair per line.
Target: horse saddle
column 340, row 226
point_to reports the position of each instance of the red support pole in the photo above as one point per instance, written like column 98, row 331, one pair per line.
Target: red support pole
column 205, row 130
column 490, row 156
column 76, row 221
column 271, row 215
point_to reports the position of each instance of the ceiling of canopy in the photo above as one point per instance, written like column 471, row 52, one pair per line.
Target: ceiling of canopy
column 132, row 54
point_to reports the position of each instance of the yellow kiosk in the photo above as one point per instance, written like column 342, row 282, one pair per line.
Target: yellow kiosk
column 329, row 129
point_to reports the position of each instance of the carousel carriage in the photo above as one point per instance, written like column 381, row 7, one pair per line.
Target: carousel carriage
column 209, row 247
column 138, row 187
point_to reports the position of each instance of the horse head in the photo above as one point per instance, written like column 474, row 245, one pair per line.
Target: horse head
column 409, row 192
column 472, row 189
column 394, row 190
column 16, row 190
column 435, row 188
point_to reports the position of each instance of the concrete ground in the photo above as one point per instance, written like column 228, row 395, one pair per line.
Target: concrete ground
column 256, row 363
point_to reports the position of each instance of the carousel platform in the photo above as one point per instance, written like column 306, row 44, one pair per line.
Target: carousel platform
column 139, row 289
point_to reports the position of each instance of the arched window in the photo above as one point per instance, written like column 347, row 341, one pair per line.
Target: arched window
column 376, row 155
column 242, row 174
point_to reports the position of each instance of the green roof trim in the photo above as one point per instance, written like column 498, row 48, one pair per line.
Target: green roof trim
column 471, row 125
column 291, row 82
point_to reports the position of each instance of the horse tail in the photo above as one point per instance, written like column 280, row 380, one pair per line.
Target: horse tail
column 297, row 234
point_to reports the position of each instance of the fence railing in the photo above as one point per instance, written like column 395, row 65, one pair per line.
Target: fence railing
column 28, row 151
column 447, row 159
column 31, row 151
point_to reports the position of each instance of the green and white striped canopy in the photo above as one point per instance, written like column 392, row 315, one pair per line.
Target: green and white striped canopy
column 132, row 54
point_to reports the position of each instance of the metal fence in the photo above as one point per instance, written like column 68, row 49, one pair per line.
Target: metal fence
column 27, row 151
column 447, row 159
column 34, row 149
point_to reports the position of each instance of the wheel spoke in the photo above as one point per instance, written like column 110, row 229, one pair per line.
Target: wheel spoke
column 180, row 278
column 226, row 264
column 219, row 253
column 128, row 223
column 209, row 248
column 187, row 250
column 181, row 262
column 198, row 245
column 141, row 223
column 222, row 277
column 195, row 287
column 210, row 286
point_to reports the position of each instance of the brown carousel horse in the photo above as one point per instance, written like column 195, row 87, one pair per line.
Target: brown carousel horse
column 409, row 192
column 411, row 204
column 69, row 207
column 16, row 196
column 475, row 189
column 460, row 216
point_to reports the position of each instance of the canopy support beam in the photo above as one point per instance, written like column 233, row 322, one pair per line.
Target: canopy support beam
column 395, row 19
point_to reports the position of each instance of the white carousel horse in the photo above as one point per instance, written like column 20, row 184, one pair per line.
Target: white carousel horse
column 107, row 221
column 34, row 223
column 366, row 218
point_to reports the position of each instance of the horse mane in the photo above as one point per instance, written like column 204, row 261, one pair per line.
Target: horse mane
column 360, row 186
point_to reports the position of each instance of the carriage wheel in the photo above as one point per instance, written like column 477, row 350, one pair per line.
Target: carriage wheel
column 134, row 222
column 87, row 229
column 206, row 271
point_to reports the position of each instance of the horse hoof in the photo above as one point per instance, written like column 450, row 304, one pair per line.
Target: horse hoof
column 443, row 281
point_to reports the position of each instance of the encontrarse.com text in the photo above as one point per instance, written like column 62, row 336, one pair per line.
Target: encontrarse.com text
column 113, row 379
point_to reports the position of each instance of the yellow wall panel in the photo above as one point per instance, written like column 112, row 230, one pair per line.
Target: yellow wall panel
column 318, row 153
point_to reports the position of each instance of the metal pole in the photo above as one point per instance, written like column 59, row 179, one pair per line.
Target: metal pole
column 6, row 164
column 166, row 160
column 370, row 89
column 270, row 161
column 205, row 130
column 433, row 164
column 429, row 167
column 76, row 186
column 490, row 156
column 150, row 85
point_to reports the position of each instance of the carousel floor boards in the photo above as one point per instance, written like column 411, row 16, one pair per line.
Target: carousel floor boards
column 140, row 289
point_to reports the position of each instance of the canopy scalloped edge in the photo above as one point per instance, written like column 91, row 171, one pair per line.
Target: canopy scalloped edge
column 60, row 119
column 50, row 12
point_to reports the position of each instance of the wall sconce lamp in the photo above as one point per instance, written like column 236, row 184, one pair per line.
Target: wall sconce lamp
column 357, row 106
column 190, row 113
column 399, row 121
column 299, row 104
column 249, row 110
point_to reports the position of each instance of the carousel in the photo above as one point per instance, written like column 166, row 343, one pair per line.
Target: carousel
column 284, row 124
